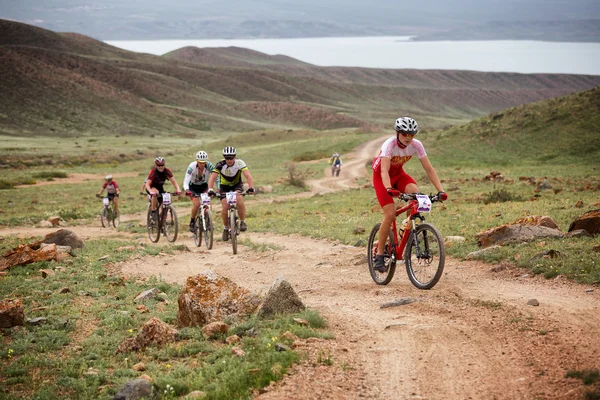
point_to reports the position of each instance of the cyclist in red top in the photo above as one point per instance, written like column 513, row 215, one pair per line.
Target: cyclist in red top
column 389, row 175
column 156, row 180
column 112, row 191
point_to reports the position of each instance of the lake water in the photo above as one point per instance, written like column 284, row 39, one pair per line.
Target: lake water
column 524, row 56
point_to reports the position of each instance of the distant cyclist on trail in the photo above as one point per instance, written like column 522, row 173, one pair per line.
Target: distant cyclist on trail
column 195, row 181
column 336, row 164
column 112, row 191
column 230, row 171
column 156, row 180
column 388, row 175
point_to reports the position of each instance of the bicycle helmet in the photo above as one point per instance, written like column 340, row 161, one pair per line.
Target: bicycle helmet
column 159, row 161
column 201, row 156
column 229, row 151
column 406, row 125
column 108, row 178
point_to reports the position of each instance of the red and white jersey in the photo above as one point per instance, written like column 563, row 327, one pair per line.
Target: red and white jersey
column 111, row 187
column 398, row 156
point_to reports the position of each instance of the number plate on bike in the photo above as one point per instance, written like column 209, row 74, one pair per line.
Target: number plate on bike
column 205, row 199
column 424, row 203
column 105, row 201
column 166, row 198
column 231, row 197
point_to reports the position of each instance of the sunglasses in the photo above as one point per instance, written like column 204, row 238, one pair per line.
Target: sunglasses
column 407, row 134
column 160, row 165
column 201, row 162
column 229, row 157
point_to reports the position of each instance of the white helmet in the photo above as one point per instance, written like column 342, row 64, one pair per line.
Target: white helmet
column 406, row 125
column 201, row 156
column 108, row 177
column 229, row 151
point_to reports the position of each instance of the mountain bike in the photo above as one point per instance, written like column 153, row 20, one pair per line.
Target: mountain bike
column 232, row 217
column 203, row 223
column 108, row 215
column 335, row 170
column 421, row 245
column 165, row 221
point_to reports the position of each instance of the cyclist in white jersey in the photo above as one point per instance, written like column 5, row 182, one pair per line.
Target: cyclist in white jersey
column 195, row 181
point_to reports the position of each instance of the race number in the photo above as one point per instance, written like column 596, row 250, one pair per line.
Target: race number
column 166, row 198
column 105, row 201
column 424, row 203
column 205, row 199
column 231, row 197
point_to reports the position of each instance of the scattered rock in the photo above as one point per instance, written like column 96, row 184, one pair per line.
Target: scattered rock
column 137, row 389
column 153, row 332
column 11, row 313
column 590, row 222
column 398, row 302
column 146, row 295
column 280, row 299
column 533, row 302
column 476, row 254
column 214, row 328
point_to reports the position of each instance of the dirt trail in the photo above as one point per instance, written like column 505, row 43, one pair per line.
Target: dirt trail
column 471, row 337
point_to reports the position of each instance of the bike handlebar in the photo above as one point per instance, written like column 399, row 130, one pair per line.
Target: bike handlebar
column 413, row 196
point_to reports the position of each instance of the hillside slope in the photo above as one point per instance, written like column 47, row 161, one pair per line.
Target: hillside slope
column 69, row 84
column 562, row 130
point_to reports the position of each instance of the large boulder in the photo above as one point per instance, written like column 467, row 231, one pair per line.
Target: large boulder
column 63, row 237
column 522, row 230
column 209, row 297
column 589, row 222
column 281, row 299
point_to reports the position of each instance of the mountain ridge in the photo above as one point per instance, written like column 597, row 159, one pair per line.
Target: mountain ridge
column 76, row 85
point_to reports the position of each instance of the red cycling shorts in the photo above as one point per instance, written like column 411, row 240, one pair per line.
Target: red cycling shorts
column 398, row 182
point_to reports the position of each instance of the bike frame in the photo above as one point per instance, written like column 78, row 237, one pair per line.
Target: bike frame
column 413, row 206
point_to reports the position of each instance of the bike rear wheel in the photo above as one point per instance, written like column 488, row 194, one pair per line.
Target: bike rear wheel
column 170, row 223
column 425, row 257
column 198, row 230
column 381, row 278
column 104, row 218
column 152, row 224
column 233, row 230
column 209, row 231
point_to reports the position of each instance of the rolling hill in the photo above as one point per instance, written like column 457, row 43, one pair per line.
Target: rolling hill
column 68, row 84
column 559, row 131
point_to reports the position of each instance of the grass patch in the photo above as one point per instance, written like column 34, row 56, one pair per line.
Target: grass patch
column 72, row 354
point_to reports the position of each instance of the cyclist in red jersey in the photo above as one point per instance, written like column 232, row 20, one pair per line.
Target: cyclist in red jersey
column 112, row 191
column 156, row 180
column 388, row 175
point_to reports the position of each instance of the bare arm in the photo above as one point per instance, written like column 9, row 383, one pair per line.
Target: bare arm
column 431, row 174
column 248, row 176
column 212, row 180
column 385, row 172
column 174, row 183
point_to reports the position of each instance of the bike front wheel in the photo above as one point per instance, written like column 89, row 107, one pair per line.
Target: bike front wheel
column 209, row 231
column 233, row 230
column 153, row 229
column 116, row 218
column 381, row 278
column 425, row 256
column 104, row 218
column 198, row 230
column 170, row 223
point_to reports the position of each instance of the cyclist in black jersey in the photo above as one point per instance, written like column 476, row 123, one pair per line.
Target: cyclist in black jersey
column 230, row 171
